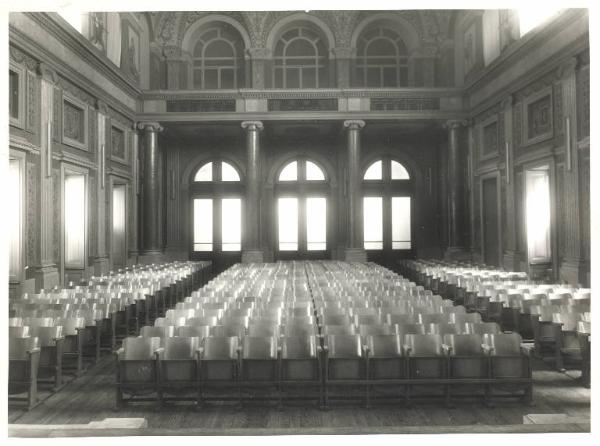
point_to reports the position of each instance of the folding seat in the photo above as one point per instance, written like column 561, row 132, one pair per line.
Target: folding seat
column 510, row 365
column 375, row 330
column 219, row 367
column 560, row 299
column 584, row 331
column 50, row 361
column 38, row 321
column 546, row 333
column 259, row 366
column 176, row 314
column 403, row 329
column 348, row 329
column 482, row 328
column 23, row 365
column 73, row 330
column 211, row 321
column 449, row 310
column 18, row 332
column 467, row 362
column 567, row 342
column 344, row 366
column 212, row 312
column 157, row 332
column 303, row 311
column 292, row 329
column 15, row 322
column 136, row 370
column 178, row 369
column 258, row 328
column 427, row 363
column 301, row 368
column 457, row 318
column 433, row 318
column 386, row 365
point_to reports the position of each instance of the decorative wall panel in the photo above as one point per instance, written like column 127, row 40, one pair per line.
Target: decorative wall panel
column 33, row 220
column 201, row 105
column 394, row 104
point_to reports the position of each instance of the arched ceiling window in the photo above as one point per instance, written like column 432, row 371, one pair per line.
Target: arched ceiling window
column 382, row 59
column 217, row 171
column 218, row 59
column 300, row 59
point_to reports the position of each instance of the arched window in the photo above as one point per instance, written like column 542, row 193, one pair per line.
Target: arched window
column 387, row 206
column 217, row 209
column 300, row 60
column 381, row 59
column 301, row 194
column 218, row 58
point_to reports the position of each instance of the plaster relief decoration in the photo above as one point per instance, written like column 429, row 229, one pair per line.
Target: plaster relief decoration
column 97, row 30
column 469, row 47
column 538, row 117
column 74, row 130
column 118, row 146
column 489, row 146
column 133, row 51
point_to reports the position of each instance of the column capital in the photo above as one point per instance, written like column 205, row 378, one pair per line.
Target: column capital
column 354, row 124
column 455, row 123
column 258, row 53
column 150, row 126
column 252, row 125
column 567, row 68
column 507, row 102
column 47, row 73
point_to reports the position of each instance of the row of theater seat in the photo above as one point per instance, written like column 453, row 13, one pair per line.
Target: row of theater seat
column 555, row 316
column 234, row 336
column 50, row 337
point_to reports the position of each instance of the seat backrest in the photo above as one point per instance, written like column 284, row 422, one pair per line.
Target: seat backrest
column 568, row 320
column 15, row 322
column 141, row 348
column 235, row 321
column 302, row 329
column 71, row 325
column 458, row 318
column 300, row 312
column 400, row 319
column 344, row 346
column 161, row 332
column 335, row 319
column 220, row 348
column 444, row 329
column 367, row 319
column 190, row 331
column 202, row 320
column 263, row 347
column 46, row 335
column 215, row 312
column 584, row 327
column 18, row 347
column 464, row 344
column 384, row 346
column 376, row 330
column 349, row 329
column 298, row 347
column 181, row 347
column 503, row 344
column 260, row 329
column 18, row 332
column 424, row 344
column 433, row 318
column 38, row 321
column 410, row 329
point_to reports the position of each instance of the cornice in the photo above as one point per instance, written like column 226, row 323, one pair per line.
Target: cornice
column 16, row 142
column 168, row 95
column 68, row 157
column 25, row 44
column 436, row 115
column 119, row 172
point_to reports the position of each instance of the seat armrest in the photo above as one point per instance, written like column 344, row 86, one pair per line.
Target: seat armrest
column 120, row 352
column 159, row 352
column 486, row 349
column 407, row 350
column 447, row 349
column 526, row 349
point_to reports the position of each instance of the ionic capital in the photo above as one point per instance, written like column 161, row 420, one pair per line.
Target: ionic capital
column 354, row 124
column 252, row 125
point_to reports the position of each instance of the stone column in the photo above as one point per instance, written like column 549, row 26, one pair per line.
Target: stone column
column 572, row 268
column 100, row 262
column 251, row 250
column 512, row 258
column 152, row 191
column 343, row 66
column 46, row 273
column 456, row 201
column 355, row 251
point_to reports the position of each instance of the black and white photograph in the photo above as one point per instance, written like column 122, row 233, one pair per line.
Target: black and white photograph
column 258, row 222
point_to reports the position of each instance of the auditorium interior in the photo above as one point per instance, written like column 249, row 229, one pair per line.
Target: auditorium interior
column 298, row 222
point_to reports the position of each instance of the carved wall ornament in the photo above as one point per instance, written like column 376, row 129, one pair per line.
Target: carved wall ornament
column 538, row 117
column 567, row 68
column 74, row 123
column 23, row 58
column 32, row 101
column 33, row 222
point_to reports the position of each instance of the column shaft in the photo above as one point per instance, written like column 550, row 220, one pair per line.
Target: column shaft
column 152, row 190
column 252, row 251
